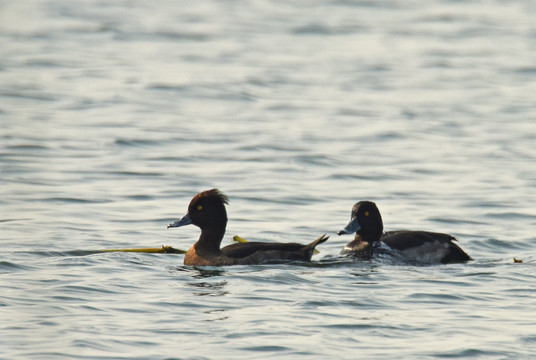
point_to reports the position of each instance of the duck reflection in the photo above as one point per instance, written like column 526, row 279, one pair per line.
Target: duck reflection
column 208, row 288
column 212, row 288
column 203, row 272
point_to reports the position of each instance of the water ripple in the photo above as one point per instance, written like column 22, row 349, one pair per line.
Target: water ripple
column 114, row 114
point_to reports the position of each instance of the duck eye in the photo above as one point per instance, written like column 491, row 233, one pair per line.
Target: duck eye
column 367, row 213
column 199, row 207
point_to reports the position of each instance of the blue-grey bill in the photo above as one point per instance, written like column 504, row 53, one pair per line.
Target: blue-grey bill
column 352, row 227
column 185, row 220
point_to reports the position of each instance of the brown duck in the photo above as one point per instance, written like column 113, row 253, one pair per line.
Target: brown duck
column 207, row 211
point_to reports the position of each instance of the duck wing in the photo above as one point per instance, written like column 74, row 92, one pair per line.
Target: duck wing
column 406, row 239
column 241, row 250
column 261, row 252
column 426, row 245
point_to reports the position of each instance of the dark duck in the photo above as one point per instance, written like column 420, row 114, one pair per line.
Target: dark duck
column 207, row 211
column 414, row 246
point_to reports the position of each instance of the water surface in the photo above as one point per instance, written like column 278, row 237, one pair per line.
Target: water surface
column 115, row 114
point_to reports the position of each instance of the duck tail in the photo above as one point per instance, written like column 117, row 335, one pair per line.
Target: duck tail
column 456, row 255
column 317, row 242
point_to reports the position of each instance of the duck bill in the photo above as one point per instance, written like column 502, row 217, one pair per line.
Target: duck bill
column 352, row 227
column 185, row 220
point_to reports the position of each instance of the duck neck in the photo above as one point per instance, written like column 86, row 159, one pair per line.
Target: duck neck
column 210, row 239
column 369, row 236
column 358, row 246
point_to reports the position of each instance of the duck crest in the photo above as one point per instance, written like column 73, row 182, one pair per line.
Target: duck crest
column 212, row 194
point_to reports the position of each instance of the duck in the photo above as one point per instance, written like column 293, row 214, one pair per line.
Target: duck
column 414, row 246
column 207, row 211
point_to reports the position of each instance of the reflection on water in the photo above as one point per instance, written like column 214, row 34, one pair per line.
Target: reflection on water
column 219, row 315
column 207, row 272
column 204, row 288
column 209, row 288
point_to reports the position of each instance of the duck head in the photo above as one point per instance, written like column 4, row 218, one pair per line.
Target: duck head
column 206, row 211
column 366, row 222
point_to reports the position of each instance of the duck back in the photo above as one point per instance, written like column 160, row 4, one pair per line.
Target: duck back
column 259, row 252
column 426, row 246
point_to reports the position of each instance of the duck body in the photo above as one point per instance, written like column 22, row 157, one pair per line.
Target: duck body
column 251, row 253
column 414, row 246
column 207, row 211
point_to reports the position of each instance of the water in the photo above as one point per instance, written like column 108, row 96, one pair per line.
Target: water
column 115, row 114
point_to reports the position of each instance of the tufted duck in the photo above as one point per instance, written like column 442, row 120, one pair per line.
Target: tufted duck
column 418, row 246
column 207, row 211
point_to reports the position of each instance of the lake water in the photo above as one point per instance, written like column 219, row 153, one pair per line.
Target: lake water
column 115, row 114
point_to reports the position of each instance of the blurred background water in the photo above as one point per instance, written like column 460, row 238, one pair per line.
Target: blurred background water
column 114, row 114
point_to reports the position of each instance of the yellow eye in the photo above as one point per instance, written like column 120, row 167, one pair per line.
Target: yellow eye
column 367, row 213
column 199, row 207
